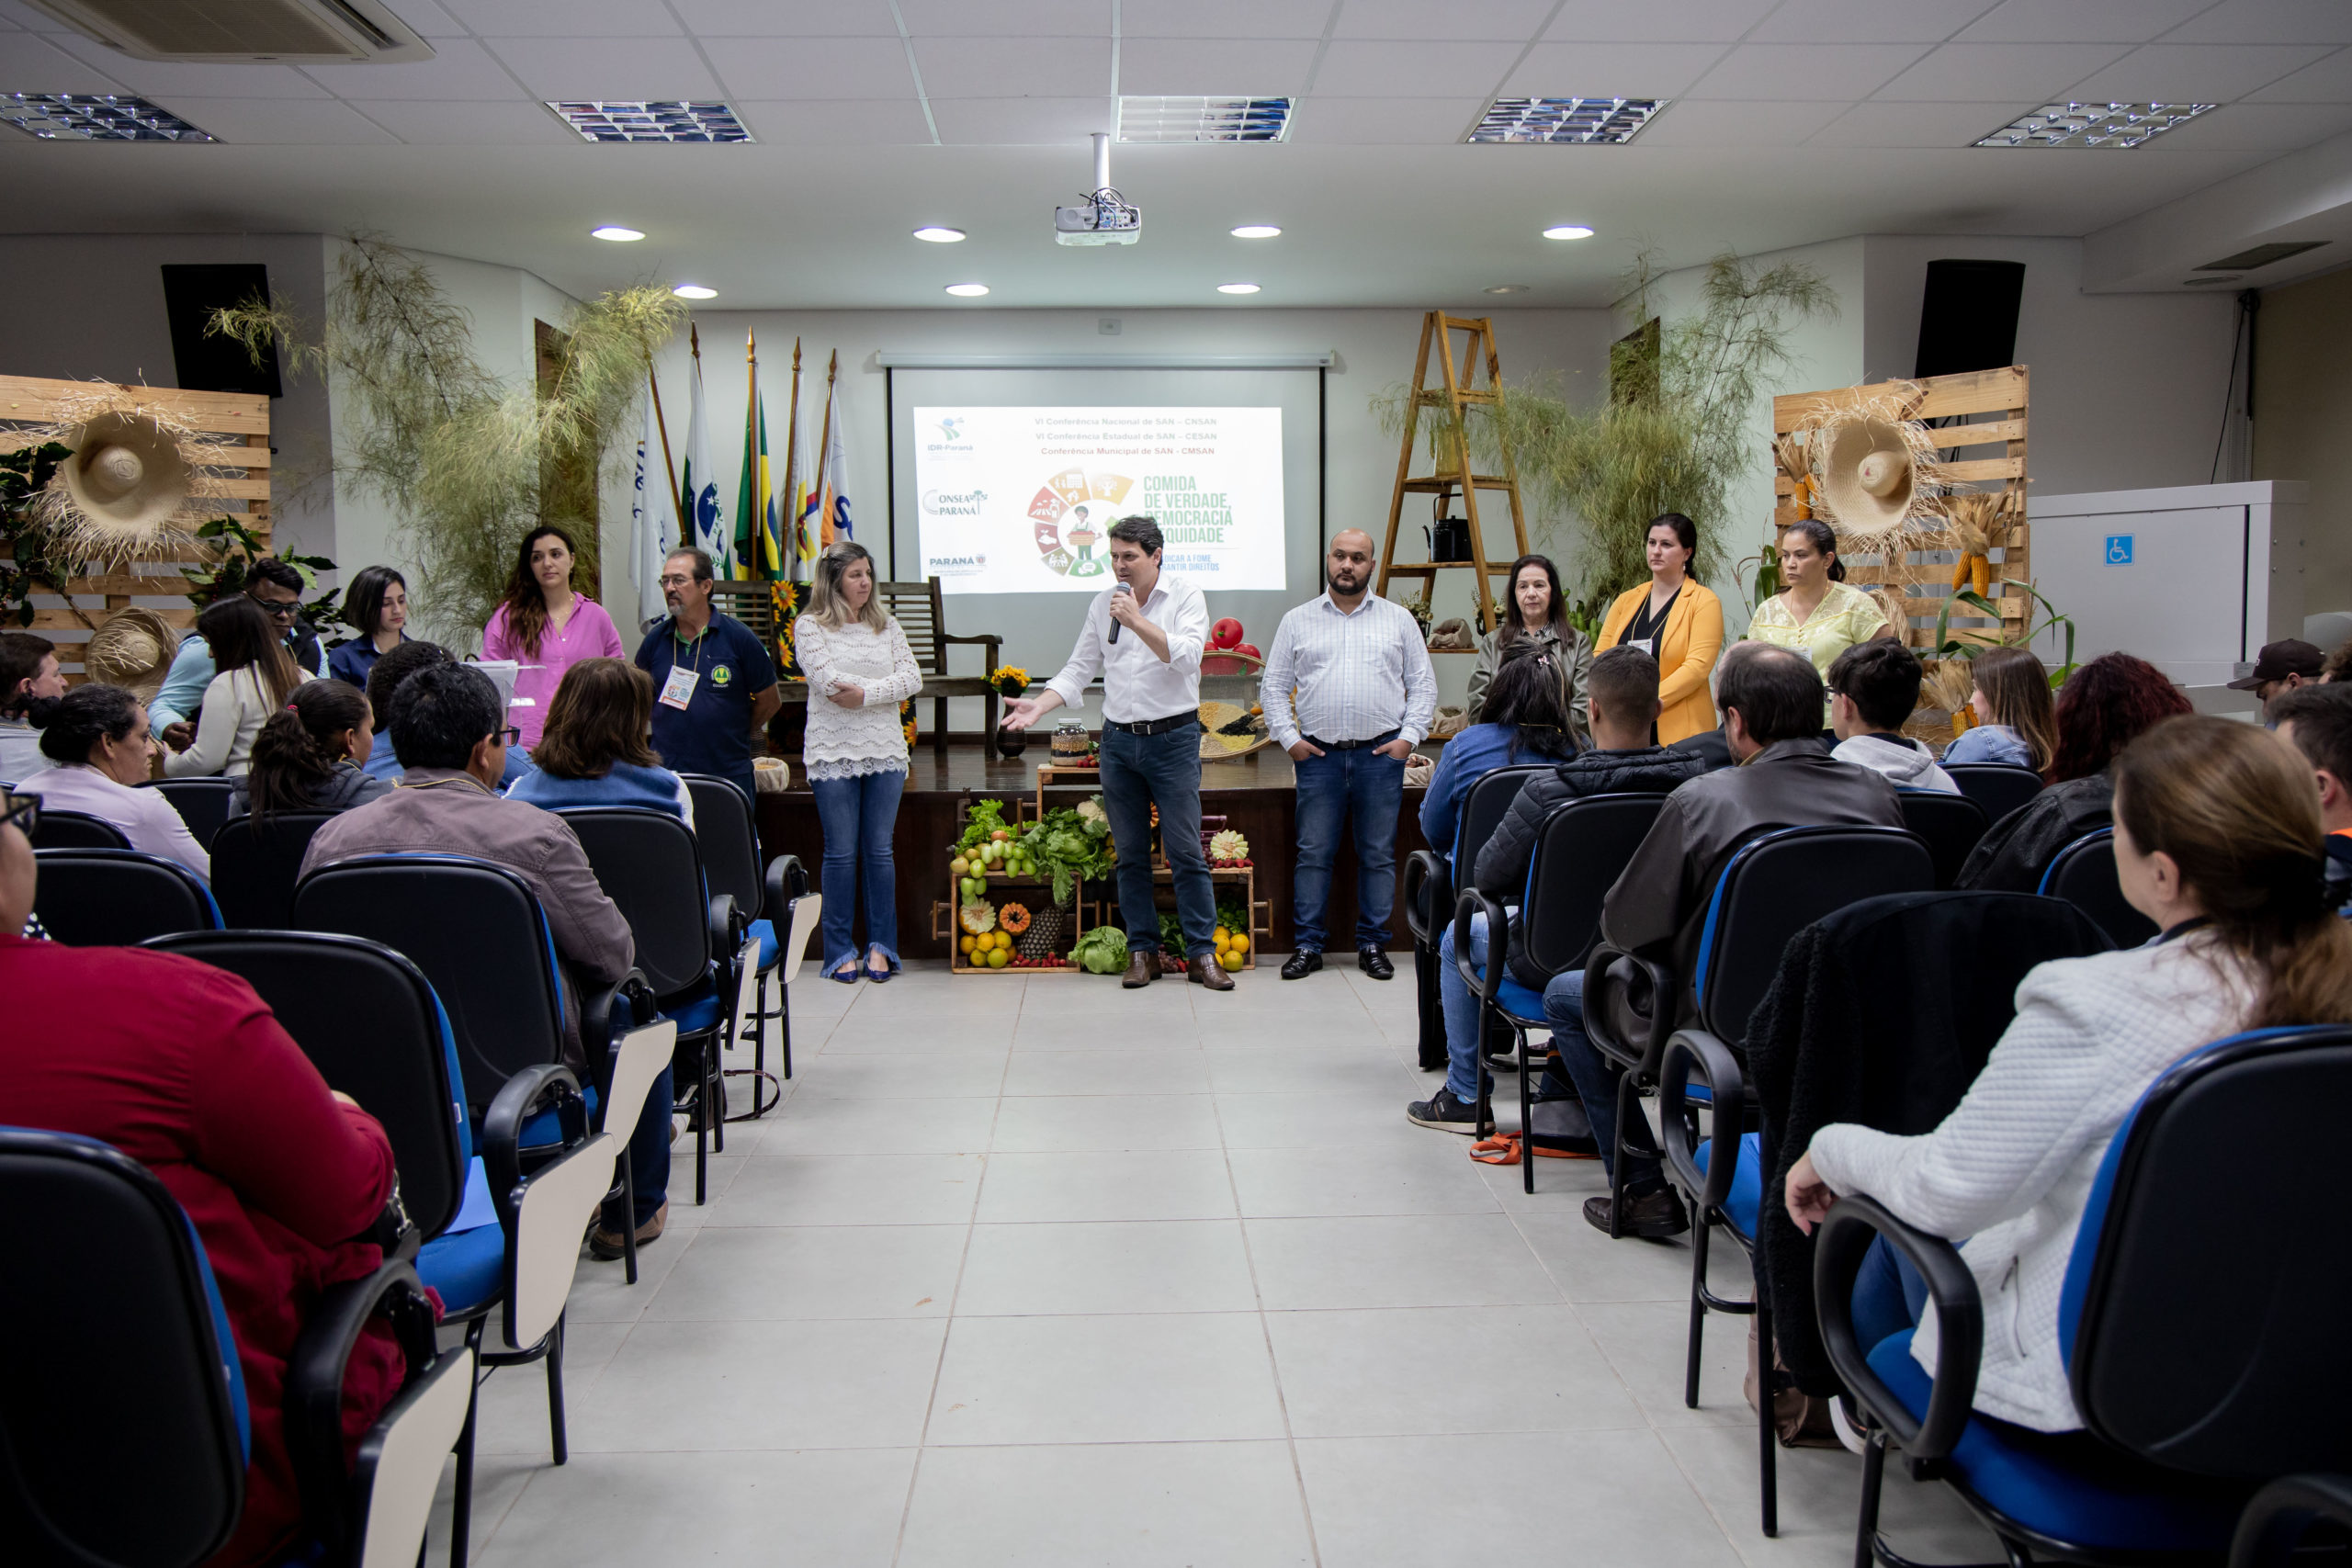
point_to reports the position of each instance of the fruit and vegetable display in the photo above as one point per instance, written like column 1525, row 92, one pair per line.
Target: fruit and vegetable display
column 1071, row 843
column 1227, row 654
column 1228, row 850
column 1102, row 951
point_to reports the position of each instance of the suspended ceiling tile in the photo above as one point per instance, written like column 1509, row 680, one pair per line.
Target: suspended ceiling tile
column 1214, row 67
column 563, row 18
column 31, row 63
column 786, row 18
column 1825, row 71
column 1613, row 70
column 2080, row 21
column 2268, row 21
column 287, row 122
column 2329, row 82
column 2269, row 128
column 156, row 78
column 1025, row 122
column 422, row 123
column 1867, row 21
column 1356, row 68
column 1658, row 21
column 1516, row 20
column 607, row 68
column 1222, row 18
column 1365, row 122
column 1013, row 67
column 1007, row 19
column 460, row 68
column 774, row 69
column 844, row 123
column 1918, row 125
column 427, row 19
column 1701, row 122
column 2198, row 74
column 1983, row 73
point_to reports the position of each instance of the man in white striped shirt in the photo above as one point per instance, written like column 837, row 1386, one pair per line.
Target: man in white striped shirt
column 1347, row 691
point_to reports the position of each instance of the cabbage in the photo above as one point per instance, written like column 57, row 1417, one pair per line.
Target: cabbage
column 1102, row 951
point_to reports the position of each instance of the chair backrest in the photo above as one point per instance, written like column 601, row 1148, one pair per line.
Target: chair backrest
column 255, row 862
column 118, row 898
column 915, row 606
column 1998, row 787
column 2083, row 874
column 479, row 935
column 648, row 863
column 1775, row 885
column 1484, row 805
column 203, row 804
column 1579, row 851
column 1948, row 824
column 2202, row 1331
column 723, row 832
column 76, row 831
column 123, row 1432
column 368, row 1020
column 753, row 603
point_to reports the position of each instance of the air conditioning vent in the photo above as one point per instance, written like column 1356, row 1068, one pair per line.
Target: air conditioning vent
column 2262, row 255
column 212, row 31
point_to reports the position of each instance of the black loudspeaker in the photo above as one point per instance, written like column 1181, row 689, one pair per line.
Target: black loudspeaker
column 1968, row 319
column 210, row 363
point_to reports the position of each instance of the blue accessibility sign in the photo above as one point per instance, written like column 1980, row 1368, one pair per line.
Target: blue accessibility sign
column 2118, row 549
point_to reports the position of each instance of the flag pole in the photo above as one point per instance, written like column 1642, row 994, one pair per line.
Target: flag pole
column 750, row 418
column 825, row 450
column 790, row 543
column 669, row 467
column 686, row 507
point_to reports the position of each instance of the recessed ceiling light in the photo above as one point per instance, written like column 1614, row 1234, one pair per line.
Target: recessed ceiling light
column 967, row 291
column 1204, row 120
column 2108, row 126
column 694, row 291
column 1571, row 122
column 94, row 117
column 1237, row 289
column 1567, row 231
column 615, row 231
column 1508, row 288
column 939, row 233
column 1256, row 231
column 649, row 121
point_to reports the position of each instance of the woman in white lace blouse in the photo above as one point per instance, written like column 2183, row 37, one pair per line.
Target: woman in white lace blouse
column 859, row 671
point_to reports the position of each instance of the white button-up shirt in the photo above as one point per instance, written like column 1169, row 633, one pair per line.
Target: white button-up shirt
column 1357, row 673
column 1136, row 685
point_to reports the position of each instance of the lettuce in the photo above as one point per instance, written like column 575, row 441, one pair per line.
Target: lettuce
column 1102, row 951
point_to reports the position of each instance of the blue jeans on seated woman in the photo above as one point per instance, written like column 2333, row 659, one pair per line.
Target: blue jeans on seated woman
column 858, row 816
column 1460, row 1006
column 1597, row 1079
column 1889, row 1295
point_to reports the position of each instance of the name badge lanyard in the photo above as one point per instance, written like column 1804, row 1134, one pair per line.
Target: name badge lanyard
column 679, row 689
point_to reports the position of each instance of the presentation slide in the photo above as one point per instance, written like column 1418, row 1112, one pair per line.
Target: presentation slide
column 1020, row 500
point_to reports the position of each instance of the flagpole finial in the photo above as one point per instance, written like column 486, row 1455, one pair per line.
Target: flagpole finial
column 833, row 367
column 796, row 353
column 694, row 339
column 750, row 344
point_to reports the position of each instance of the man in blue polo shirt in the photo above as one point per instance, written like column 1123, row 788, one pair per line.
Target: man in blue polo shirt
column 714, row 683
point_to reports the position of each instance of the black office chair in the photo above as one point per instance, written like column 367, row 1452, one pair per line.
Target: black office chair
column 129, row 1375
column 203, row 804
column 76, row 831
column 689, row 944
column 729, row 842
column 1429, row 890
column 2083, row 874
column 2275, row 1523
column 1948, row 825
column 1997, row 786
column 118, row 898
column 257, row 861
column 1580, row 847
column 2201, row 1333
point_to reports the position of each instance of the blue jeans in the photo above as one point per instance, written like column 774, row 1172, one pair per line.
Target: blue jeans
column 1367, row 788
column 1596, row 1079
column 1889, row 1295
column 649, row 1154
column 1139, row 771
column 858, row 816
column 1460, row 1005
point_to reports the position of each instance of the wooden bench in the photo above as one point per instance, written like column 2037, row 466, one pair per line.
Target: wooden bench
column 918, row 609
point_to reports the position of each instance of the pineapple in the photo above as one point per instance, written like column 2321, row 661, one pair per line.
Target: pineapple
column 1044, row 936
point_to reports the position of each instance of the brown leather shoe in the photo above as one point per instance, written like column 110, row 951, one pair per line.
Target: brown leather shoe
column 1207, row 972
column 1143, row 968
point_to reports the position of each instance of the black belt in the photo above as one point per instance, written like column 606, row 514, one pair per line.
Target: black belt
column 1155, row 725
column 1322, row 745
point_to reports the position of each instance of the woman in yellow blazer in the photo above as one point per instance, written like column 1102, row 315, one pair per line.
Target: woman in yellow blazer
column 1677, row 621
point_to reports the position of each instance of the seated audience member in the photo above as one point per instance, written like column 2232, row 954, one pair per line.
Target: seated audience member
column 450, row 734
column 2103, row 708
column 2339, row 666
column 377, row 602
column 1772, row 706
column 1623, row 703
column 2216, row 840
column 1873, row 686
column 99, row 749
column 595, row 750
column 2012, row 706
column 308, row 757
column 275, row 585
column 391, row 670
column 182, row 1068
column 254, row 678
column 2317, row 722
column 2282, row 667
column 1525, row 722
column 1709, row 746
column 28, row 682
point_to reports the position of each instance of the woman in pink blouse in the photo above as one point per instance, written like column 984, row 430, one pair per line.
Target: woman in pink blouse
column 546, row 627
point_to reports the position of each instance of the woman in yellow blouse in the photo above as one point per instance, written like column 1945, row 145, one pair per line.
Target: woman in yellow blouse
column 1678, row 623
column 1817, row 614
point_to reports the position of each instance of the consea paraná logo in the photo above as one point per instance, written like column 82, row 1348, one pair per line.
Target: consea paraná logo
column 954, row 502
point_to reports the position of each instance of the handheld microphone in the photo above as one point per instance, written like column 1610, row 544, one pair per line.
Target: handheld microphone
column 1118, row 588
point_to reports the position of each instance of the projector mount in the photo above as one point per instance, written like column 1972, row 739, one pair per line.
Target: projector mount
column 1108, row 217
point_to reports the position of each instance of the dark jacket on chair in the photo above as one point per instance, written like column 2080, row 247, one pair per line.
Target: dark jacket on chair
column 1711, row 747
column 2016, row 851
column 1659, row 906
column 1501, row 871
column 1882, row 1014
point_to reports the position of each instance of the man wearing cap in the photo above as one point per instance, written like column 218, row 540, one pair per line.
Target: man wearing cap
column 276, row 587
column 2282, row 667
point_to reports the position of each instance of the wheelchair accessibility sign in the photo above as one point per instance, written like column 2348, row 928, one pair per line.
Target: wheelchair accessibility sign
column 2118, row 549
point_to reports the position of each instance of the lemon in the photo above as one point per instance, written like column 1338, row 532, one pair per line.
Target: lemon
column 998, row 959
column 1241, row 943
column 968, row 943
column 1230, row 958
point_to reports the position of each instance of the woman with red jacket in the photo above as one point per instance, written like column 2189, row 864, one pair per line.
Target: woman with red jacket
column 183, row 1068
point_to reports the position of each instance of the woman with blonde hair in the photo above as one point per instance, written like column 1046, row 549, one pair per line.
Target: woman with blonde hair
column 860, row 669
column 254, row 677
column 2015, row 721
column 2218, row 841
column 595, row 749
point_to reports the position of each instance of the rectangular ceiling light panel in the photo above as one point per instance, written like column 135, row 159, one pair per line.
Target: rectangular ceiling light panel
column 651, row 121
column 1204, row 120
column 2093, row 125
column 94, row 117
column 1577, row 121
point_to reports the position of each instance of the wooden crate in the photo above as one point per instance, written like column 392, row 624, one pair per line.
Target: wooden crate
column 1261, row 915
column 1922, row 573
column 235, row 418
column 1037, row 892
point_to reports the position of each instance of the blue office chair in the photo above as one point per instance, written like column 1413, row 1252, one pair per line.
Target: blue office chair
column 1430, row 891
column 2200, row 1332
column 1948, row 825
column 2083, row 874
column 118, row 898
column 203, row 804
column 2275, row 1523
column 76, row 831
column 1998, row 787
column 256, row 860
column 729, row 839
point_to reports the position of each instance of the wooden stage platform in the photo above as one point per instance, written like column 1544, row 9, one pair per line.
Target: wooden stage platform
column 1257, row 796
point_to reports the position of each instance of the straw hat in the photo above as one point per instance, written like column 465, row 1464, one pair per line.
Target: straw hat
column 1868, row 479
column 132, row 648
column 126, row 471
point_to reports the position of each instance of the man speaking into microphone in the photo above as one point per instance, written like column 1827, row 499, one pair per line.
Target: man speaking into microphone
column 1143, row 635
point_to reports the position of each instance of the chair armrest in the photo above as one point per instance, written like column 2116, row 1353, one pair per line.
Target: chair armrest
column 2273, row 1524
column 519, row 1100
column 726, row 928
column 1488, row 985
column 787, row 879
column 1423, row 910
column 1845, row 1235
column 314, row 1387
column 1727, row 1087
column 596, row 1030
column 1601, row 985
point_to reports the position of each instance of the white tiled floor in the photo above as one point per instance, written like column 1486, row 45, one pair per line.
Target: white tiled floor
column 1038, row 1272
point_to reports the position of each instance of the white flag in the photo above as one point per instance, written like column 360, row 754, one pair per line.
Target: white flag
column 653, row 520
column 707, row 527
column 833, row 499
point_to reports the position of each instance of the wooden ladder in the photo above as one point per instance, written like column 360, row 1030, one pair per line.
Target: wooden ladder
column 1458, row 393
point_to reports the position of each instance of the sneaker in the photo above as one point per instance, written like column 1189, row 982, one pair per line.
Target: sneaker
column 605, row 1246
column 1444, row 1113
column 1657, row 1215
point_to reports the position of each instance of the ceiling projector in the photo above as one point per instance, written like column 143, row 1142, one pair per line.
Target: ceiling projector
column 1106, row 218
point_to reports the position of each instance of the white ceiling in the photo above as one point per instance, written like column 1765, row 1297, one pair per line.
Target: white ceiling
column 1791, row 121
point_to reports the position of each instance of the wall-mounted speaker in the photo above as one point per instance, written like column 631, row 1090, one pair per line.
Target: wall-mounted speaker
column 1968, row 318
column 208, row 362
